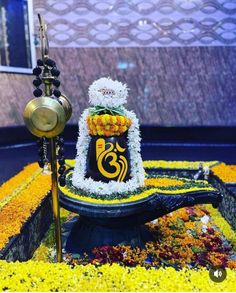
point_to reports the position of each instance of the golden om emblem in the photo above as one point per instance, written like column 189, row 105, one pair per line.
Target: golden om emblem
column 119, row 163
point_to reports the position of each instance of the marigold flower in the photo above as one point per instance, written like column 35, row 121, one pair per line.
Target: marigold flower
column 226, row 173
column 21, row 207
column 108, row 125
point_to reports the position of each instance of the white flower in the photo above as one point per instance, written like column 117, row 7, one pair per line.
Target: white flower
column 204, row 228
column 206, row 170
column 205, row 219
column 108, row 93
column 154, row 221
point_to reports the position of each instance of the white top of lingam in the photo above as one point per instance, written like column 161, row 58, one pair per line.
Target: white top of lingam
column 107, row 93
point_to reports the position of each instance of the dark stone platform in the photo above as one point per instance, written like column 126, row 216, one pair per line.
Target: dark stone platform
column 227, row 207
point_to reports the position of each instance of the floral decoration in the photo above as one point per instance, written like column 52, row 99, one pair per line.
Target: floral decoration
column 186, row 238
column 8, row 193
column 8, row 187
column 162, row 164
column 223, row 225
column 108, row 125
column 226, row 173
column 159, row 184
column 45, row 277
column 105, row 92
column 187, row 242
column 19, row 208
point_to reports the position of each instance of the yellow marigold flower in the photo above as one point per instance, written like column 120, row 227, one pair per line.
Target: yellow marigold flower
column 162, row 182
column 115, row 124
column 14, row 213
column 99, row 120
column 122, row 129
column 214, row 257
column 95, row 117
column 116, row 128
column 40, row 276
column 177, row 164
column 16, row 181
column 224, row 226
column 113, row 119
column 113, row 128
column 103, row 120
column 123, row 121
column 100, row 132
column 106, row 118
column 99, row 127
column 93, row 131
column 118, row 120
column 107, row 133
column 231, row 264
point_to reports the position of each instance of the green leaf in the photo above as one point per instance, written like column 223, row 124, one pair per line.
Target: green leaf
column 192, row 218
column 193, row 233
column 104, row 110
column 180, row 222
column 196, row 249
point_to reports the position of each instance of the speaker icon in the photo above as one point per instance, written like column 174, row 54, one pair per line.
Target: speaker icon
column 217, row 274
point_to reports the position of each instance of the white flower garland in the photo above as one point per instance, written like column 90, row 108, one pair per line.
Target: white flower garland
column 117, row 98
column 99, row 187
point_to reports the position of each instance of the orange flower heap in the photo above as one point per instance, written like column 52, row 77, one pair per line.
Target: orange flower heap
column 226, row 173
column 9, row 186
column 108, row 125
column 19, row 208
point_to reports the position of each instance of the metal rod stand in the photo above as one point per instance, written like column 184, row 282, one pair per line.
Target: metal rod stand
column 55, row 200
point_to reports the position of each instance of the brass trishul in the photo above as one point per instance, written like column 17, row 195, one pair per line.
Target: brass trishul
column 46, row 117
column 44, row 45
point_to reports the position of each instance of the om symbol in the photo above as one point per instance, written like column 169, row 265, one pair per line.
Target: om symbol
column 119, row 163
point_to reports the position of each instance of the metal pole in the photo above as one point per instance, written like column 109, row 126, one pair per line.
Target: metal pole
column 55, row 199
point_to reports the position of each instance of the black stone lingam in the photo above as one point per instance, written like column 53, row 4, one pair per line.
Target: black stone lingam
column 113, row 224
column 111, row 154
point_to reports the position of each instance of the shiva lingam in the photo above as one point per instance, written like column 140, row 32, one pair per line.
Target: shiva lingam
column 107, row 186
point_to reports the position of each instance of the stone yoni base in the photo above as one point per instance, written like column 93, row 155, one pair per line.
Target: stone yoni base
column 82, row 235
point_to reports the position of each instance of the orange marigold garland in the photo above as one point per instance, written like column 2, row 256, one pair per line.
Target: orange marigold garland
column 20, row 208
column 226, row 173
column 108, row 125
column 16, row 181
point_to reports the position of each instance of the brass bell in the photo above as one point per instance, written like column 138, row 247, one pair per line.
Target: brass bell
column 45, row 116
column 66, row 105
